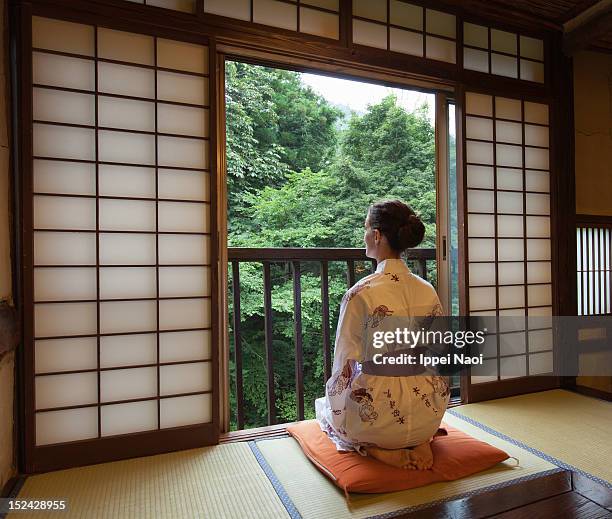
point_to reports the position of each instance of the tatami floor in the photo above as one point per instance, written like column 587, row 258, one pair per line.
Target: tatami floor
column 550, row 433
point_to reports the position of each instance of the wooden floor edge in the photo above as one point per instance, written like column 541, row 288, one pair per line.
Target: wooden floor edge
column 592, row 490
column 504, row 499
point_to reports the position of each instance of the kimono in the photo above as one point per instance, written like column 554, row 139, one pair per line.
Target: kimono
column 364, row 409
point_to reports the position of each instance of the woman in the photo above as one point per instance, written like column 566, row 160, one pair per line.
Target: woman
column 391, row 418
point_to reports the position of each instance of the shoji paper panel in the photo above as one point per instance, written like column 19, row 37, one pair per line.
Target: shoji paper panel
column 508, row 210
column 317, row 17
column 185, row 410
column 122, row 276
column 406, row 28
column 67, row 425
column 503, row 53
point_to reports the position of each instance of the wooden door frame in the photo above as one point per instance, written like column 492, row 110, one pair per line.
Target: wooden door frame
column 229, row 52
column 443, row 259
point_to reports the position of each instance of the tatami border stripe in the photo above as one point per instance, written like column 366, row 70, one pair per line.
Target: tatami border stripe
column 522, row 445
column 278, row 487
column 466, row 494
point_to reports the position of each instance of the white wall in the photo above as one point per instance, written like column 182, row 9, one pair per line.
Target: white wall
column 593, row 132
column 593, row 135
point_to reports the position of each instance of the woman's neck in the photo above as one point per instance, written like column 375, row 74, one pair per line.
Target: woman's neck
column 384, row 257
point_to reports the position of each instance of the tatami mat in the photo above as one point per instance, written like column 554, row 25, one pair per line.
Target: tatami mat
column 273, row 479
column 573, row 428
column 214, row 482
column 316, row 497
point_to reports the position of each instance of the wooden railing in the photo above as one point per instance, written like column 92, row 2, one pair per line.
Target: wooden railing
column 417, row 258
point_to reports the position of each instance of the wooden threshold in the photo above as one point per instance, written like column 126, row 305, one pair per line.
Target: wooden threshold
column 257, row 433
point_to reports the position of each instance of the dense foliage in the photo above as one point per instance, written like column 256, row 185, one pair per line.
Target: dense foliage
column 301, row 175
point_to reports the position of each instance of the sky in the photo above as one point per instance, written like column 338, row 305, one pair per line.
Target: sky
column 357, row 95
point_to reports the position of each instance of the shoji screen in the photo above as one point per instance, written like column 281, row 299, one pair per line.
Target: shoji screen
column 121, row 233
column 503, row 53
column 508, row 230
column 402, row 27
column 317, row 17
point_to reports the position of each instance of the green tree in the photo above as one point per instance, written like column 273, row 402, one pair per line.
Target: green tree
column 304, row 178
column 275, row 125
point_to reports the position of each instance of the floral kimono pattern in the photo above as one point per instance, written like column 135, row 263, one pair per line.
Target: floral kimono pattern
column 361, row 409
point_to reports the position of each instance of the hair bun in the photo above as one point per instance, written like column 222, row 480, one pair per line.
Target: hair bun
column 411, row 233
column 398, row 222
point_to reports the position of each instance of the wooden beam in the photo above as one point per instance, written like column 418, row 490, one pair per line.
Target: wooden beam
column 588, row 32
column 577, row 10
column 599, row 48
column 502, row 13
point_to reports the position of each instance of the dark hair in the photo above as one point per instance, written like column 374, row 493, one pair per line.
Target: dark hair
column 398, row 222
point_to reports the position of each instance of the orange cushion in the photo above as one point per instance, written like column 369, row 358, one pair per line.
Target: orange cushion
column 456, row 455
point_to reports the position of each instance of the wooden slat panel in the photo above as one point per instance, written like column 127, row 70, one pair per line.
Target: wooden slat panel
column 608, row 274
column 579, row 270
column 602, row 269
column 585, row 270
column 590, row 292
column 594, row 242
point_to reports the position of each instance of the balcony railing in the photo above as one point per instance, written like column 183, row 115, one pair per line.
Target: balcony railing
column 357, row 264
